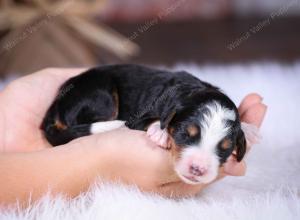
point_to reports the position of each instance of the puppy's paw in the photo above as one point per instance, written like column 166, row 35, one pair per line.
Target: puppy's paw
column 157, row 135
column 252, row 133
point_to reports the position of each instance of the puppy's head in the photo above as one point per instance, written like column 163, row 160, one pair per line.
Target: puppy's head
column 203, row 134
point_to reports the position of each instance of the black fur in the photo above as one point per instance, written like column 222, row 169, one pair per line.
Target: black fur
column 139, row 96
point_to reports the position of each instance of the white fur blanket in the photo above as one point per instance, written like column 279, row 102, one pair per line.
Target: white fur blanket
column 270, row 189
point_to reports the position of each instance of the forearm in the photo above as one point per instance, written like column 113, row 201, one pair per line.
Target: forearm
column 66, row 169
column 1, row 124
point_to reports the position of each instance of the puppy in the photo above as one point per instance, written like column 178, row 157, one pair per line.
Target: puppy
column 198, row 123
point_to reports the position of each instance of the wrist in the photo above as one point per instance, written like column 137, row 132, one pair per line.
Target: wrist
column 91, row 159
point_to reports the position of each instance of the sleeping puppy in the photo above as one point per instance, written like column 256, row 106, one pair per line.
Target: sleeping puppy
column 193, row 119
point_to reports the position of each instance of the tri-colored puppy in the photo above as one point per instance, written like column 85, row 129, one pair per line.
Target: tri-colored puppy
column 195, row 120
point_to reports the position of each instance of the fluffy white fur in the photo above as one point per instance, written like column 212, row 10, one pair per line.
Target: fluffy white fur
column 270, row 190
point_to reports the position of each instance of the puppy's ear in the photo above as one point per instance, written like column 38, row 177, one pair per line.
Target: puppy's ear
column 241, row 145
column 166, row 118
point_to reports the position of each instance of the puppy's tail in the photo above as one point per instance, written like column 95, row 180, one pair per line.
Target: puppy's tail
column 58, row 134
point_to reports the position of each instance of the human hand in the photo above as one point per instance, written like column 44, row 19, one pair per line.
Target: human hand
column 23, row 104
column 138, row 161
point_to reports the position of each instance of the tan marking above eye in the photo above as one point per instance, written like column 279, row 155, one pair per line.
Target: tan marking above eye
column 192, row 130
column 225, row 144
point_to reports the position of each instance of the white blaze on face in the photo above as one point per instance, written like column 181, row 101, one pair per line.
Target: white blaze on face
column 204, row 155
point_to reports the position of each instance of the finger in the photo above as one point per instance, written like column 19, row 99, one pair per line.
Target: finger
column 176, row 188
column 233, row 168
column 248, row 101
column 179, row 189
column 255, row 114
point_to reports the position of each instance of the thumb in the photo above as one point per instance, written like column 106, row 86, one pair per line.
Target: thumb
column 234, row 168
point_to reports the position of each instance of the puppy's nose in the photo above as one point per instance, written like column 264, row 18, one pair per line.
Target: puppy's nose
column 197, row 171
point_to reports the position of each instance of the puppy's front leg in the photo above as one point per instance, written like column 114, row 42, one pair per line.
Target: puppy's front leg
column 157, row 135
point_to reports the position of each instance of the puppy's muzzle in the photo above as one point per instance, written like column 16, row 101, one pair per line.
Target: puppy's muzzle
column 197, row 170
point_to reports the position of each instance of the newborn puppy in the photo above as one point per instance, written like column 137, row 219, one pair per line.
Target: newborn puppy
column 193, row 119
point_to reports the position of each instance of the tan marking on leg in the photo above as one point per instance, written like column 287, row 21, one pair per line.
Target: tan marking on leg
column 59, row 125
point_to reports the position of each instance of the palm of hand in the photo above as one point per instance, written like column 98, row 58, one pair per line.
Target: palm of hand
column 23, row 105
